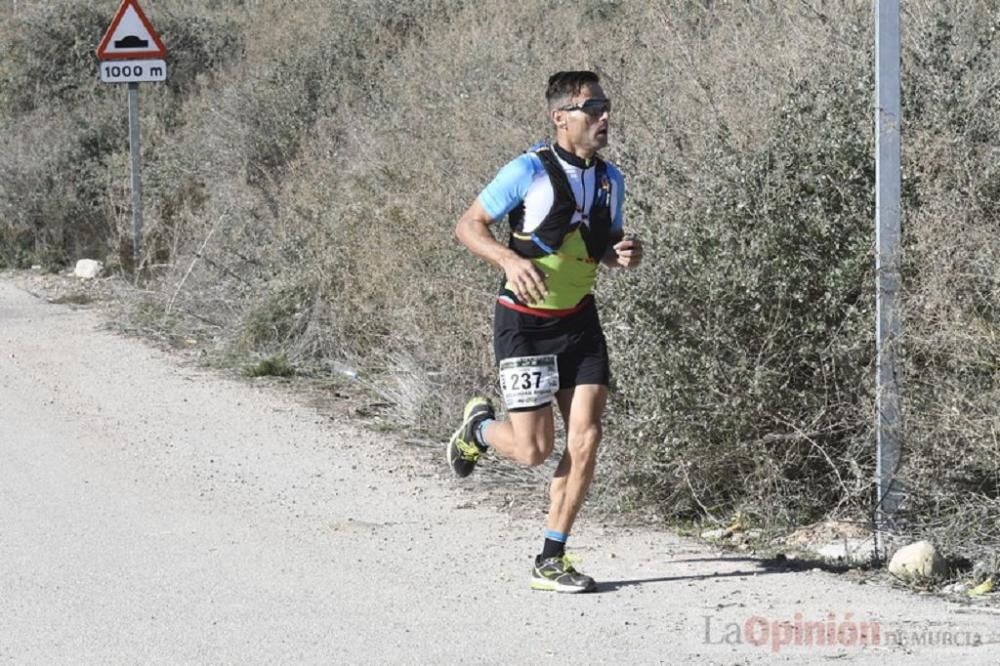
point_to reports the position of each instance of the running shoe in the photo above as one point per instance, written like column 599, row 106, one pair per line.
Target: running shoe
column 463, row 451
column 556, row 574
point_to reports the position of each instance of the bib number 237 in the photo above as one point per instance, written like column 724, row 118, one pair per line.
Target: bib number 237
column 529, row 381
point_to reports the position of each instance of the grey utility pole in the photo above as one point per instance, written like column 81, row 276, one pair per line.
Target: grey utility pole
column 887, row 267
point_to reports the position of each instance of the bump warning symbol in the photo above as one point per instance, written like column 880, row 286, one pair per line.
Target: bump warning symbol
column 130, row 35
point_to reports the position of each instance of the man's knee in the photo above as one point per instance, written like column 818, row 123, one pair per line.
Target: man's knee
column 583, row 442
column 535, row 449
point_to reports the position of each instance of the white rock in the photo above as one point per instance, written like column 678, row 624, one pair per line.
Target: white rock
column 848, row 551
column 715, row 534
column 88, row 269
column 918, row 561
column 956, row 588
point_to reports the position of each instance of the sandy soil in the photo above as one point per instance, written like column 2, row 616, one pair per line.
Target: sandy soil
column 155, row 512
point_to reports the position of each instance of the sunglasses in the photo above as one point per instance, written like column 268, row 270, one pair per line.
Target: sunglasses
column 594, row 107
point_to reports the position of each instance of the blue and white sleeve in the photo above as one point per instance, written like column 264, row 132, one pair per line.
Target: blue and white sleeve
column 509, row 187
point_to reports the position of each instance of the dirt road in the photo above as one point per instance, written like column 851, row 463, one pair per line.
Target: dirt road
column 154, row 512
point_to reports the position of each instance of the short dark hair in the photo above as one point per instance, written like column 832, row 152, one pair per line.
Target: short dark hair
column 568, row 84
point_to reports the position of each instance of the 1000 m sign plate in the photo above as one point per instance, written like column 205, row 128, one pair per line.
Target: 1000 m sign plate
column 133, row 71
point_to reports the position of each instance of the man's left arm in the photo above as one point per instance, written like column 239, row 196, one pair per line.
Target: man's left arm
column 624, row 250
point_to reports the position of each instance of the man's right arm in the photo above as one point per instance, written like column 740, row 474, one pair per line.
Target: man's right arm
column 473, row 230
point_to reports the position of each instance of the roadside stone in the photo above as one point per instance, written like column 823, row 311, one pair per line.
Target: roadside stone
column 918, row 561
column 87, row 269
column 848, row 551
column 716, row 534
column 827, row 532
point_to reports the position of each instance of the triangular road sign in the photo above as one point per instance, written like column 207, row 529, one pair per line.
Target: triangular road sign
column 130, row 35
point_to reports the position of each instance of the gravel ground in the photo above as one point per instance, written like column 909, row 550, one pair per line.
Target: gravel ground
column 155, row 512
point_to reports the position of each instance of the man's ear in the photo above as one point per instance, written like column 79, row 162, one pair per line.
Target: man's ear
column 558, row 118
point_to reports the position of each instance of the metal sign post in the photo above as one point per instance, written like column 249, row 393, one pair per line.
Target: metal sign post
column 136, row 166
column 887, row 239
column 131, row 52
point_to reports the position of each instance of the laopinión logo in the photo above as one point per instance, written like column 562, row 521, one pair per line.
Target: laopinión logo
column 829, row 632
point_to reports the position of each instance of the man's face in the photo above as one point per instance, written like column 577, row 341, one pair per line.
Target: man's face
column 585, row 118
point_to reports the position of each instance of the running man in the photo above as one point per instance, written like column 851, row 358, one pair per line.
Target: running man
column 565, row 207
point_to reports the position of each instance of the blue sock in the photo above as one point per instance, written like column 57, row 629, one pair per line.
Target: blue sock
column 480, row 433
column 555, row 544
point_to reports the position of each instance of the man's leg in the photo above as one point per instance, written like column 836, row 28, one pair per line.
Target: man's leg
column 582, row 408
column 526, row 437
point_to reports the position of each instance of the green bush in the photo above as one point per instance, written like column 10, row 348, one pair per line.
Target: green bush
column 756, row 316
column 273, row 366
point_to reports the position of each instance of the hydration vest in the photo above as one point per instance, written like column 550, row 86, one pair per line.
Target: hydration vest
column 567, row 252
column 548, row 237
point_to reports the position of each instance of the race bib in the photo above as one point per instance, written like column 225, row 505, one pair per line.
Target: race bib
column 529, row 381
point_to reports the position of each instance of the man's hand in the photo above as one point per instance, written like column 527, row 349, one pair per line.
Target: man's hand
column 527, row 282
column 628, row 252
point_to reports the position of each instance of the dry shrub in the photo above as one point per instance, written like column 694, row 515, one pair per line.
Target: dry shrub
column 55, row 132
column 64, row 134
column 951, row 377
column 302, row 197
column 753, row 311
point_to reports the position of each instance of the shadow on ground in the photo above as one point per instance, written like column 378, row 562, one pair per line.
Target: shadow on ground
column 763, row 566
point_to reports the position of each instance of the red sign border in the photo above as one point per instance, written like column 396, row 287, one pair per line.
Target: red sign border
column 160, row 52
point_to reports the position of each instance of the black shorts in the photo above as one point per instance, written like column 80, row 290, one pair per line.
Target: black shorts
column 576, row 339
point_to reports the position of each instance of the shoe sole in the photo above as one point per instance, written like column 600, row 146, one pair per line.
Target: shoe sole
column 549, row 586
column 447, row 450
